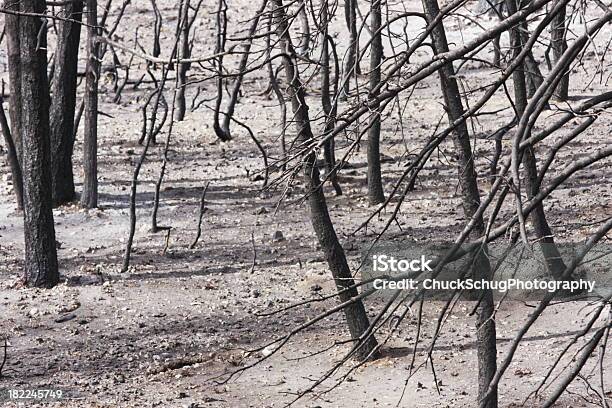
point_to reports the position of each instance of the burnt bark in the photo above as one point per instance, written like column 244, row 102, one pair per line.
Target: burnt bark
column 40, row 265
column 12, row 22
column 221, row 22
column 351, row 66
column 355, row 313
column 183, row 53
column 329, row 108
column 479, row 262
column 156, row 29
column 63, row 104
column 375, row 187
column 533, row 75
column 558, row 44
column 89, row 196
column 304, row 46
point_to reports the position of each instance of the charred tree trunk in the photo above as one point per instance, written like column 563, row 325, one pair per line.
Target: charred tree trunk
column 330, row 110
column 351, row 66
column 41, row 269
column 12, row 157
column 156, row 29
column 375, row 187
column 89, row 197
column 479, row 263
column 14, row 62
column 533, row 75
column 355, row 313
column 63, row 104
column 242, row 67
column 221, row 22
column 279, row 97
column 304, row 46
column 552, row 256
column 558, row 43
column 182, row 67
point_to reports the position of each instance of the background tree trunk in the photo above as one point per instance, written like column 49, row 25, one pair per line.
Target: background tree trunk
column 12, row 157
column 533, row 75
column 182, row 67
column 376, row 194
column 221, row 32
column 14, row 62
column 63, row 104
column 330, row 110
column 304, row 46
column 351, row 66
column 156, row 29
column 479, row 262
column 242, row 66
column 550, row 252
column 356, row 316
column 41, row 269
column 89, row 197
column 558, row 43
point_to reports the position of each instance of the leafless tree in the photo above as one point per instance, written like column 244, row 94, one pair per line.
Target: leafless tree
column 183, row 54
column 30, row 106
column 63, row 103
column 375, row 188
column 355, row 313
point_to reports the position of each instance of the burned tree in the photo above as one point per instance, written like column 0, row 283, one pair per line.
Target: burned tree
column 330, row 109
column 558, row 42
column 89, row 196
column 183, row 67
column 63, row 103
column 543, row 232
column 356, row 316
column 221, row 25
column 32, row 119
column 351, row 66
column 12, row 22
column 479, row 261
column 303, row 47
column 375, row 188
